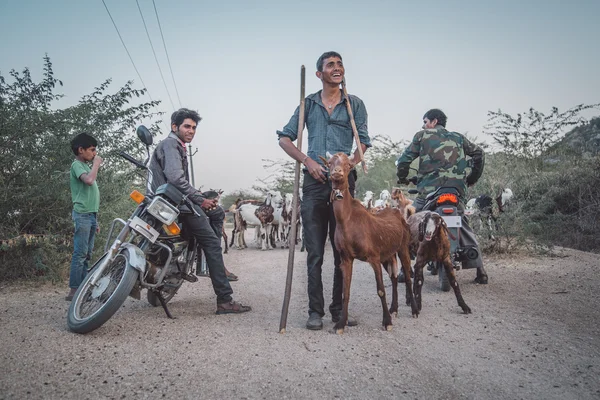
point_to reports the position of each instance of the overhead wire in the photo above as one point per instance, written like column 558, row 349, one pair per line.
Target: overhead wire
column 166, row 52
column 154, row 52
column 130, row 58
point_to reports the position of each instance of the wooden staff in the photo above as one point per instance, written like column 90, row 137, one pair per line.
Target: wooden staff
column 354, row 130
column 292, row 237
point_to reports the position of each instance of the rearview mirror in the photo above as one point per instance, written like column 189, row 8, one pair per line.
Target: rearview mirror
column 144, row 135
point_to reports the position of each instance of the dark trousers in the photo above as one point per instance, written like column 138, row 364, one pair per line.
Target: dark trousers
column 206, row 237
column 317, row 220
column 466, row 239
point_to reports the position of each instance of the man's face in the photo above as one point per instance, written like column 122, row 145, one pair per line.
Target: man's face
column 427, row 124
column 333, row 71
column 88, row 154
column 186, row 130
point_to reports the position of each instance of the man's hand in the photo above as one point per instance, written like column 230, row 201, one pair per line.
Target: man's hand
column 209, row 204
column 316, row 170
column 98, row 160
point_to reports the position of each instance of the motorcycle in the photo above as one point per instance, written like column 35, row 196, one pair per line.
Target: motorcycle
column 150, row 252
column 445, row 201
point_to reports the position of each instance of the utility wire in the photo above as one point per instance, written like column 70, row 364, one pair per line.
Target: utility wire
column 130, row 58
column 154, row 52
column 167, row 53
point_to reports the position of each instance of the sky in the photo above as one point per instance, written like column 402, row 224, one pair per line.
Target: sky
column 238, row 62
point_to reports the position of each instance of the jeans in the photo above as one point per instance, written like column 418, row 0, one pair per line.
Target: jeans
column 83, row 245
column 216, row 218
column 317, row 219
column 466, row 239
column 200, row 227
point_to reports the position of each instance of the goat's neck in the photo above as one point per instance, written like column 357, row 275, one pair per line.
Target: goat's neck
column 341, row 206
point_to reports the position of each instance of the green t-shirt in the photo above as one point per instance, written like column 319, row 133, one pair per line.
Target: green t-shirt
column 86, row 198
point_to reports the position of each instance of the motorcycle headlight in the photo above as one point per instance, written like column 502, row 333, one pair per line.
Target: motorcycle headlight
column 163, row 211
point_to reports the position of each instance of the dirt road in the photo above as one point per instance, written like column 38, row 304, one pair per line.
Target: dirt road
column 534, row 334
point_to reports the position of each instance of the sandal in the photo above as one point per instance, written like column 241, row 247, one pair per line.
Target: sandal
column 232, row 277
column 233, row 307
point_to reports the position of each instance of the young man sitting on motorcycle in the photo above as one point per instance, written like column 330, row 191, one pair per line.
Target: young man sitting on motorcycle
column 443, row 163
column 169, row 164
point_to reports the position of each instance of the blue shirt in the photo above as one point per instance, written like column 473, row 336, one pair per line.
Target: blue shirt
column 329, row 133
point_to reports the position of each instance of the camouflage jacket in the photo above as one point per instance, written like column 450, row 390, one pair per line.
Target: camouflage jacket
column 442, row 160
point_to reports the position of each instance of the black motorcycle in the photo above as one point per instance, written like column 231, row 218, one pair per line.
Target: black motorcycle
column 150, row 252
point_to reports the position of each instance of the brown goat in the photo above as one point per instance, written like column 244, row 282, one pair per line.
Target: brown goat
column 403, row 203
column 368, row 237
column 429, row 239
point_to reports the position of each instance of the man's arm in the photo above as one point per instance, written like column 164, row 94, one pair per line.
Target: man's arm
column 407, row 157
column 478, row 157
column 174, row 174
column 286, row 138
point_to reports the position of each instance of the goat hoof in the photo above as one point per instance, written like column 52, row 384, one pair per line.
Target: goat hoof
column 388, row 328
column 340, row 331
column 466, row 309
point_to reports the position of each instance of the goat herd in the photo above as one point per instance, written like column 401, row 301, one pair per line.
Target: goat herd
column 378, row 233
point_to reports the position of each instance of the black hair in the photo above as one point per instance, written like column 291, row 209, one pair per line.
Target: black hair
column 83, row 140
column 324, row 57
column 182, row 114
column 438, row 114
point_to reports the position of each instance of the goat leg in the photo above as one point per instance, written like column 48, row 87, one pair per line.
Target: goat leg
column 346, row 267
column 391, row 267
column 387, row 317
column 452, row 279
column 418, row 284
column 404, row 255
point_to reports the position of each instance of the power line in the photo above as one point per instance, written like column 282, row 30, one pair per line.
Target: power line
column 167, row 53
column 131, row 59
column 154, row 52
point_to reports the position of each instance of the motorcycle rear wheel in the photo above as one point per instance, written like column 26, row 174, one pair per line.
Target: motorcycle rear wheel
column 92, row 306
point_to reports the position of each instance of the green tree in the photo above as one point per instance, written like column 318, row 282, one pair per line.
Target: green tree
column 530, row 134
column 35, row 157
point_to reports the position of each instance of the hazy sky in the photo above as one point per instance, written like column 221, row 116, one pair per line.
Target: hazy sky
column 238, row 62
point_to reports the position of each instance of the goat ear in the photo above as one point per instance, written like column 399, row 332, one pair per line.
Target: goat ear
column 326, row 162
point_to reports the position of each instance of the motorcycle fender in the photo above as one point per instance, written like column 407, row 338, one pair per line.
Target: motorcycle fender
column 136, row 257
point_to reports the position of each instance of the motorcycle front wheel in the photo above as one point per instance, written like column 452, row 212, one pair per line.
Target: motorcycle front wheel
column 93, row 305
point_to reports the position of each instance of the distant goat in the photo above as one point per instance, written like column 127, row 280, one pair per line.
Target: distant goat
column 384, row 199
column 487, row 210
column 402, row 203
column 367, row 237
column 429, row 240
column 260, row 216
column 368, row 199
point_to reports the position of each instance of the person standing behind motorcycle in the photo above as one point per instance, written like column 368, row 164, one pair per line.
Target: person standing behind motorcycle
column 169, row 164
column 86, row 202
column 443, row 163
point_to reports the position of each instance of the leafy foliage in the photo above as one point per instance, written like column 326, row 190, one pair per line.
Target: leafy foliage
column 35, row 156
column 530, row 134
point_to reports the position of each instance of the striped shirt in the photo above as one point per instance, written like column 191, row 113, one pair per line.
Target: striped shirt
column 329, row 133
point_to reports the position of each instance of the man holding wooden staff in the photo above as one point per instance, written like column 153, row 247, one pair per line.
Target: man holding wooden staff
column 329, row 125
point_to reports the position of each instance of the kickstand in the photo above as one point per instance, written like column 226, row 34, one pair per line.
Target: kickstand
column 164, row 305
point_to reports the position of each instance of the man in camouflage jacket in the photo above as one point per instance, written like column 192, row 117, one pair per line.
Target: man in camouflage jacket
column 443, row 163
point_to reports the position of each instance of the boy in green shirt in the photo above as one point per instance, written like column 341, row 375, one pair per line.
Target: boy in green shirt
column 86, row 201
